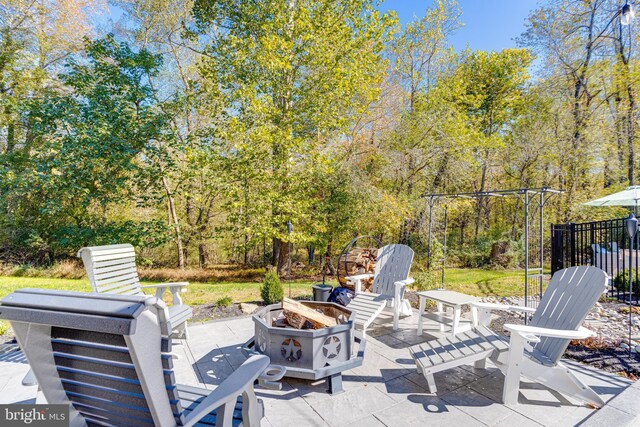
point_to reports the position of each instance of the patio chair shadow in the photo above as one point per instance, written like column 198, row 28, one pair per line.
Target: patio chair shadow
column 218, row 364
column 12, row 354
column 430, row 403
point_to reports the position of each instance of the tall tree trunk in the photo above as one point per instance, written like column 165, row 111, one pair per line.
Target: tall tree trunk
column 275, row 252
column 327, row 263
column 280, row 152
column 631, row 166
column 481, row 200
column 628, row 115
column 203, row 255
column 311, row 253
column 283, row 261
column 11, row 131
column 176, row 225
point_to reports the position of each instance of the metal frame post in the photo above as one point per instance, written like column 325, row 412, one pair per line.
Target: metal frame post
column 526, row 250
column 432, row 200
column 520, row 192
column 444, row 253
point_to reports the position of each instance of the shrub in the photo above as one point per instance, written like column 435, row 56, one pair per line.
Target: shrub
column 428, row 279
column 4, row 327
column 621, row 283
column 271, row 290
column 224, row 302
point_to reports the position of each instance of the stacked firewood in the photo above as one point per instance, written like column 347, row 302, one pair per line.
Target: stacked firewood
column 357, row 261
column 299, row 316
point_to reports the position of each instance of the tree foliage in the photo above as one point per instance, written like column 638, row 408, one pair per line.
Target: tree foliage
column 204, row 127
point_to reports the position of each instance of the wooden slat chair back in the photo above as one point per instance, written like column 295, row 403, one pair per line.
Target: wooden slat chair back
column 393, row 264
column 112, row 269
column 109, row 358
column 390, row 279
column 565, row 304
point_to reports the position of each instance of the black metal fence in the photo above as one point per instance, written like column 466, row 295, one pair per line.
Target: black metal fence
column 604, row 244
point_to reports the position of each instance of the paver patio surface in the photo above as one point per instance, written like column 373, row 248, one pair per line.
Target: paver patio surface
column 384, row 391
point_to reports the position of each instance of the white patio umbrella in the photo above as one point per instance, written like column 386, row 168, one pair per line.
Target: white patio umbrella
column 628, row 197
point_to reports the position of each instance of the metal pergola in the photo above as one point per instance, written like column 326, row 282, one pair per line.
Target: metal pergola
column 540, row 196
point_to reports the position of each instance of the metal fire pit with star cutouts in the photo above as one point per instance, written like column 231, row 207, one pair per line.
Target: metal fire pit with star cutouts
column 310, row 354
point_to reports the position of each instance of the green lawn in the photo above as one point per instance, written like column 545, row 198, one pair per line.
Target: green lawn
column 197, row 293
column 471, row 281
column 480, row 282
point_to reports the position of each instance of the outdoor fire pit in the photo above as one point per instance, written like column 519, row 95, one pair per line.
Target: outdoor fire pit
column 310, row 354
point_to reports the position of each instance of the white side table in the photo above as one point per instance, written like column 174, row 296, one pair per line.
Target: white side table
column 444, row 298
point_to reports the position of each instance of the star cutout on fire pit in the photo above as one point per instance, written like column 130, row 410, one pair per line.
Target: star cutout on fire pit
column 262, row 341
column 291, row 350
column 331, row 347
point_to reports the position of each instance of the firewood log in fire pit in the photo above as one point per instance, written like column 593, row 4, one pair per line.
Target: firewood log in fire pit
column 357, row 261
column 297, row 315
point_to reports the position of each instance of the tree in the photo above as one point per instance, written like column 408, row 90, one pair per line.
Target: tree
column 419, row 56
column 495, row 83
column 88, row 142
column 294, row 72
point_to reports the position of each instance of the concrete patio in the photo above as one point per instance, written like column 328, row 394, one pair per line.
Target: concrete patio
column 385, row 391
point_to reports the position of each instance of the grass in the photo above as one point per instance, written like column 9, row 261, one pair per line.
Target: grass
column 197, row 293
column 478, row 282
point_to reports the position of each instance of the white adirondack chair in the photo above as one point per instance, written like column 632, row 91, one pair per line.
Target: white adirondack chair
column 390, row 280
column 107, row 357
column 112, row 269
column 533, row 350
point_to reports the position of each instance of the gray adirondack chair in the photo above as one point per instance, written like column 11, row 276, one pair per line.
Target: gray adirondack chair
column 107, row 356
column 112, row 269
column 390, row 280
column 533, row 350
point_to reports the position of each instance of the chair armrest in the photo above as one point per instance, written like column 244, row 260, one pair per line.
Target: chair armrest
column 357, row 280
column 174, row 287
column 168, row 285
column 404, row 282
column 359, row 277
column 481, row 311
column 533, row 331
column 230, row 389
column 399, row 289
column 502, row 307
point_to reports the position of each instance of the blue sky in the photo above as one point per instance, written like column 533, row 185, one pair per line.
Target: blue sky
column 488, row 24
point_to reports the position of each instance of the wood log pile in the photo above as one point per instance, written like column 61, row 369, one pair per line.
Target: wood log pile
column 299, row 316
column 357, row 261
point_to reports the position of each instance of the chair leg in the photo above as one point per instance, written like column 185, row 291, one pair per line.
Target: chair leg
column 513, row 370
column 396, row 316
column 561, row 379
column 185, row 331
column 224, row 415
column 182, row 331
column 480, row 364
column 431, row 383
column 252, row 409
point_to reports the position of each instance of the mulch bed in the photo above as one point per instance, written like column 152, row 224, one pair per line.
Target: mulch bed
column 609, row 359
column 202, row 313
